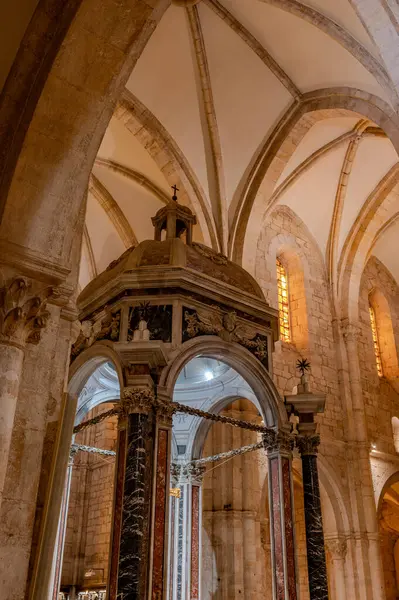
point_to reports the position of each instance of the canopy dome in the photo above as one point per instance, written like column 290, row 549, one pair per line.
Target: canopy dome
column 176, row 251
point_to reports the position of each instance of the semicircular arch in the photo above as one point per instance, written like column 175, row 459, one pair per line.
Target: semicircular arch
column 240, row 359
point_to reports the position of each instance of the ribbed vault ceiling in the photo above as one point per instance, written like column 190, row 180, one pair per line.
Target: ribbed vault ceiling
column 203, row 102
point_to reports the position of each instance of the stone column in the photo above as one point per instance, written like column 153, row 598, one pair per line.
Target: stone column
column 22, row 317
column 159, row 527
column 317, row 570
column 337, row 548
column 279, row 445
column 187, row 546
column 138, row 539
column 62, row 526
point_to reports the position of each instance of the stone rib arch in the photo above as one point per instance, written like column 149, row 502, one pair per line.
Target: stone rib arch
column 80, row 371
column 67, row 136
column 356, row 247
column 268, row 163
column 252, row 371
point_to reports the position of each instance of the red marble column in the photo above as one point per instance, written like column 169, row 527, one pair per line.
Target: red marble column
column 159, row 538
column 279, row 446
column 195, row 542
column 160, row 511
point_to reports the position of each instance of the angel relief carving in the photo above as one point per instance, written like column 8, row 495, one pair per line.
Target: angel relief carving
column 104, row 329
column 228, row 328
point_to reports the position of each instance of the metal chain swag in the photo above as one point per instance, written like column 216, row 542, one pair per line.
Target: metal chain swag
column 158, row 404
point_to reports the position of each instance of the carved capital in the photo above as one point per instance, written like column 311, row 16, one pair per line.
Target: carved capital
column 337, row 547
column 308, row 444
column 278, row 441
column 72, row 453
column 350, row 331
column 192, row 473
column 165, row 411
column 23, row 312
column 136, row 400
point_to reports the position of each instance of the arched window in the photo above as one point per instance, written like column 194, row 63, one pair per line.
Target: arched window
column 283, row 302
column 383, row 337
column 374, row 332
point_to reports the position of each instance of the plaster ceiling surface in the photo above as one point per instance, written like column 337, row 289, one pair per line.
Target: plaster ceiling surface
column 123, row 148
column 322, row 133
column 374, row 158
column 386, row 248
column 312, row 197
column 342, row 13
column 164, row 79
column 215, row 80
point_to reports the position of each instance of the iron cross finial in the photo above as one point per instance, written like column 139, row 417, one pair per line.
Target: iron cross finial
column 175, row 189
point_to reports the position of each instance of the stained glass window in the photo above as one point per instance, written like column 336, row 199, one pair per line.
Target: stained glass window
column 283, row 302
column 375, row 341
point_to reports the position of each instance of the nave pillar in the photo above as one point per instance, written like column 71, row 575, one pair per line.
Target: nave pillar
column 23, row 316
column 279, row 446
column 366, row 541
column 185, row 538
column 141, row 496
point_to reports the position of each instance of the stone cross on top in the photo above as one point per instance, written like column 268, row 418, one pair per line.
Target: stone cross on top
column 175, row 189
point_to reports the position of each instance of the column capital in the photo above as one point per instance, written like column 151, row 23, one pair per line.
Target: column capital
column 337, row 547
column 136, row 400
column 278, row 441
column 72, row 453
column 350, row 330
column 192, row 473
column 23, row 313
column 308, row 445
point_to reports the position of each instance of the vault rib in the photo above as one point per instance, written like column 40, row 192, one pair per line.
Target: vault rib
column 343, row 37
column 113, row 211
column 90, row 254
column 135, row 176
column 256, row 46
column 211, row 135
column 158, row 142
column 339, row 201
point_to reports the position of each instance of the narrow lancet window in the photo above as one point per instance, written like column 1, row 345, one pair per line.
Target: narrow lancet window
column 376, row 343
column 283, row 302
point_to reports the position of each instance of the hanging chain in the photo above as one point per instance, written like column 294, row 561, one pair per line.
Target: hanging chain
column 229, row 454
column 176, row 407
column 92, row 450
column 196, row 412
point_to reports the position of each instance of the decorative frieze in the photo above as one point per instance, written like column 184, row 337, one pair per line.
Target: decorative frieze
column 106, row 328
column 228, row 327
column 23, row 313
